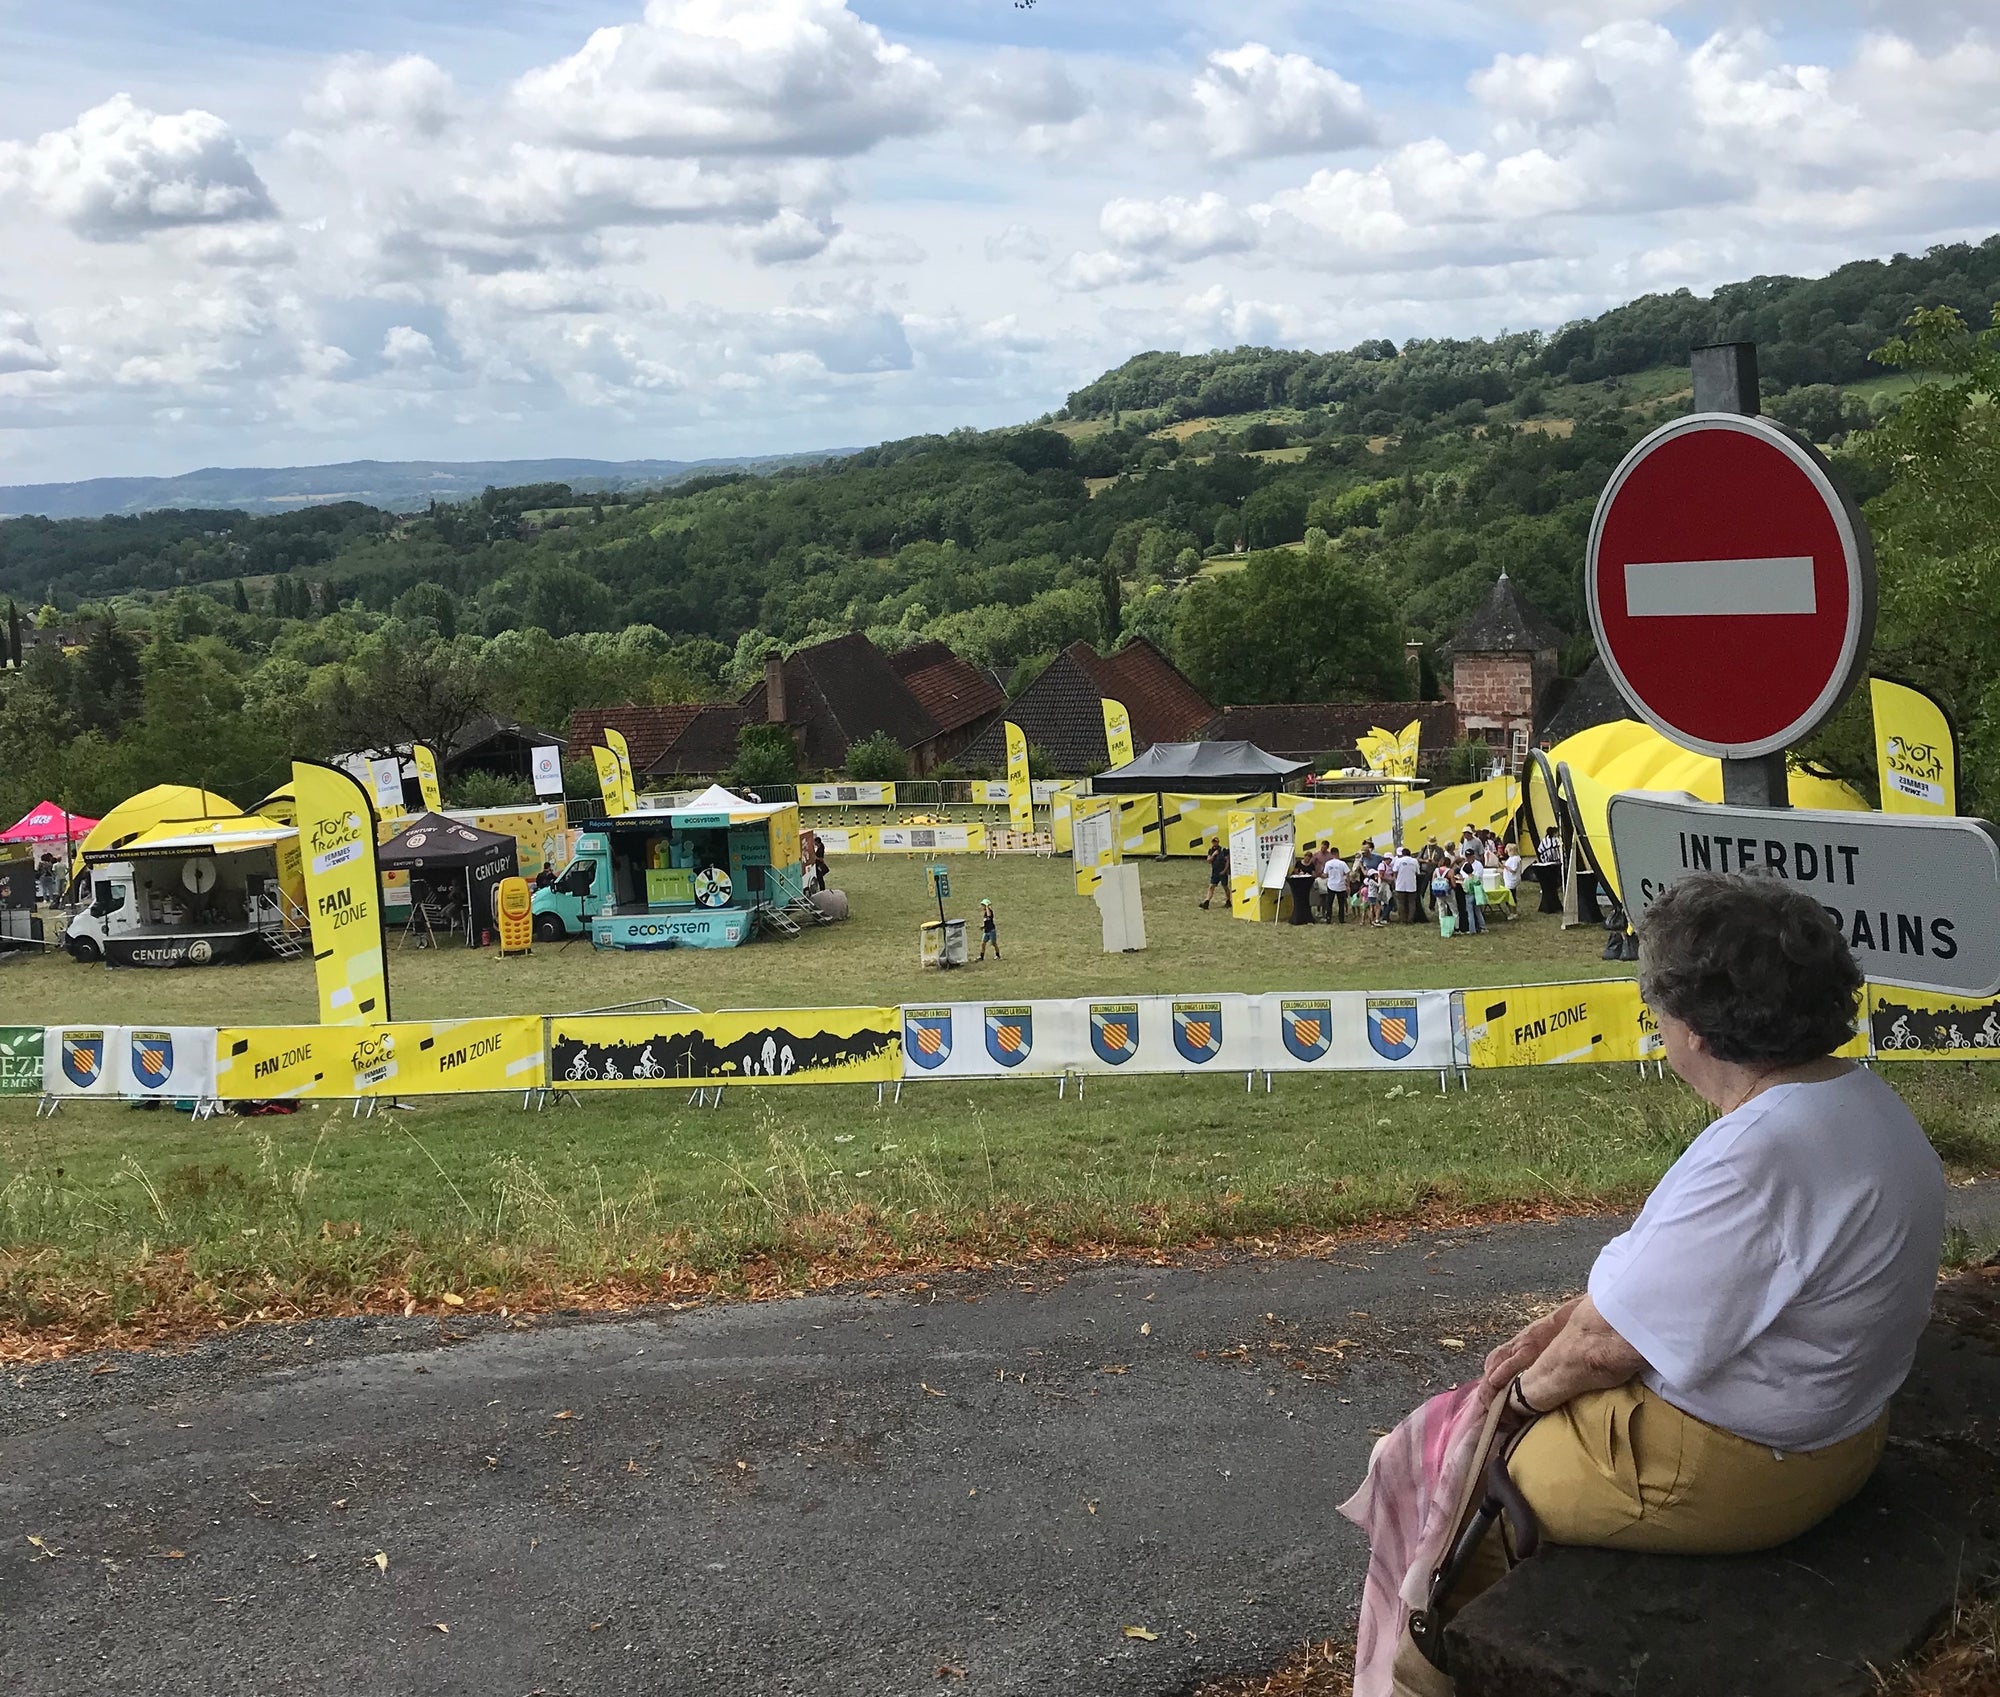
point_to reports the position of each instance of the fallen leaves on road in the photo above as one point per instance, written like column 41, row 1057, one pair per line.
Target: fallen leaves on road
column 949, row 1670
column 1142, row 1632
column 1451, row 1343
column 1325, row 1669
column 451, row 1299
column 174, row 1555
column 48, row 1551
column 440, row 1626
column 568, row 1414
column 926, row 1389
column 381, row 1560
column 1146, row 1330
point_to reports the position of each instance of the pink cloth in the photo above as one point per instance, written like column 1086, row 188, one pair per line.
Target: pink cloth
column 1405, row 1506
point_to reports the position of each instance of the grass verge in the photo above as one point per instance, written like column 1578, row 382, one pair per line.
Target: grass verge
column 120, row 1225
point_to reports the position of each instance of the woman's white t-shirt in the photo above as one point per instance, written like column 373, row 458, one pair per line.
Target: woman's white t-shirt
column 1336, row 876
column 1779, row 1276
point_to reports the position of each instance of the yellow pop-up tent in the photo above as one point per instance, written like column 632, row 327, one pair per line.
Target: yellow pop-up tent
column 149, row 808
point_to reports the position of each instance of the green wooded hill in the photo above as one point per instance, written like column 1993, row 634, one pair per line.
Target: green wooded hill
column 1280, row 521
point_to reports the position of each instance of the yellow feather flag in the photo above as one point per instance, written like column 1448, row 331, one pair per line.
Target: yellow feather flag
column 1020, row 786
column 427, row 777
column 615, row 741
column 1406, row 750
column 343, row 894
column 610, row 780
column 1916, row 751
column 1379, row 749
column 1118, row 732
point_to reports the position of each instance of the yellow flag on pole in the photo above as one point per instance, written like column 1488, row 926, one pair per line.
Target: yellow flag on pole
column 427, row 777
column 1020, row 786
column 615, row 741
column 1916, row 751
column 1378, row 748
column 1118, row 732
column 610, row 780
column 1407, row 745
column 343, row 894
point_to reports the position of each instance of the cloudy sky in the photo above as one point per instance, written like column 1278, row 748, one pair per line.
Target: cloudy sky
column 233, row 232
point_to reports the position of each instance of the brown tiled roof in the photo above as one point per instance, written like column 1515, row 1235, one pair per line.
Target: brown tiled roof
column 708, row 744
column 952, row 691
column 1062, row 711
column 648, row 731
column 1505, row 624
column 1315, row 729
column 1164, row 706
column 838, row 692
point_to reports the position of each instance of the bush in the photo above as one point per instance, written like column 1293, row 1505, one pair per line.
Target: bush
column 488, row 789
column 765, row 758
column 878, row 759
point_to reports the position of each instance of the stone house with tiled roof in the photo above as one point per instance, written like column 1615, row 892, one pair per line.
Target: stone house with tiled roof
column 1062, row 711
column 1503, row 665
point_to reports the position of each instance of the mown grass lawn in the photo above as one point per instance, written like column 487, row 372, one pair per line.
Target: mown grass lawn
column 118, row 1222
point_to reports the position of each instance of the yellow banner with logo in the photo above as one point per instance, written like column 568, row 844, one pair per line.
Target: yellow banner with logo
column 788, row 1046
column 343, row 887
column 1916, row 753
column 417, row 1058
column 1538, row 1025
column 627, row 785
column 610, row 780
column 1915, row 1025
column 1118, row 732
column 427, row 777
column 1020, row 785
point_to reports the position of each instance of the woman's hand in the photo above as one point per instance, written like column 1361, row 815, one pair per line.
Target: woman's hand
column 1524, row 1348
column 1587, row 1355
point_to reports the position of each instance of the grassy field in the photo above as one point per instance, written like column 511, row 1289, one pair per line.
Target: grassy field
column 1049, row 936
column 121, row 1223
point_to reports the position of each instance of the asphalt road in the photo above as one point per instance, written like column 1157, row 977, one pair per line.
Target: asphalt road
column 971, row 1488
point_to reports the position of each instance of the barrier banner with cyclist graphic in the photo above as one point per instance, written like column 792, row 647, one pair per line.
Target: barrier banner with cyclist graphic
column 1917, row 1025
column 784, row 1046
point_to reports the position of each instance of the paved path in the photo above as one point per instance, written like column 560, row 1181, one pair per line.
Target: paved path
column 967, row 1489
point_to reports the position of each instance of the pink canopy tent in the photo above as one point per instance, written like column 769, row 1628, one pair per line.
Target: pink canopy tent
column 48, row 823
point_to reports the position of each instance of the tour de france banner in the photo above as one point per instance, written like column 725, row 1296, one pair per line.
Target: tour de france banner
column 627, row 784
column 787, row 1046
column 609, row 781
column 413, row 1058
column 1536, row 1025
column 1917, row 1025
column 343, row 894
column 1117, row 732
column 1916, row 753
column 427, row 778
column 1020, row 784
column 21, row 1053
column 1353, row 1030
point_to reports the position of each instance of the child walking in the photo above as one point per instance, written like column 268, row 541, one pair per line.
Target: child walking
column 989, row 930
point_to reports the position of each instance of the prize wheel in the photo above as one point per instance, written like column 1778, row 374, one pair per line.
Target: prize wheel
column 199, row 875
column 712, row 887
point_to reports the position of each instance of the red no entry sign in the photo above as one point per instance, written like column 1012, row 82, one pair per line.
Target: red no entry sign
column 1731, row 588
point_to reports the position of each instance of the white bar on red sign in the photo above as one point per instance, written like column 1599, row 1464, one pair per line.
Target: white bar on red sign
column 1681, row 589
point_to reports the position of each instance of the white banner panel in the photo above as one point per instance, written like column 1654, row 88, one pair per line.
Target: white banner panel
column 170, row 1062
column 1354, row 1030
column 81, row 1060
column 847, row 795
column 992, row 1039
column 1169, row 1034
column 930, row 839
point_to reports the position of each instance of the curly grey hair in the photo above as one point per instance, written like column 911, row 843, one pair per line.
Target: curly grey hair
column 1756, row 967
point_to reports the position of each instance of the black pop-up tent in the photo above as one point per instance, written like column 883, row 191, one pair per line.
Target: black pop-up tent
column 454, row 869
column 1201, row 768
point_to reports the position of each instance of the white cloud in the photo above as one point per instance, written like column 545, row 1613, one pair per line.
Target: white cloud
column 121, row 171
column 406, row 348
column 723, row 78
column 1256, row 104
column 788, row 238
column 1177, row 229
column 20, row 348
column 410, row 95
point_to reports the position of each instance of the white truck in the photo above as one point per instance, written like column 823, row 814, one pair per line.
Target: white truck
column 182, row 910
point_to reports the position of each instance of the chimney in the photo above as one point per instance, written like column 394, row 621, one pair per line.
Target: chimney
column 1413, row 663
column 774, row 687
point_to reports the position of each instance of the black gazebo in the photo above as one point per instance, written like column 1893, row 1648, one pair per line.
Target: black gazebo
column 454, row 871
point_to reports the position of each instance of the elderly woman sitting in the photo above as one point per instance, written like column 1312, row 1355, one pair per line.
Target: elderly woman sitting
column 1724, row 1385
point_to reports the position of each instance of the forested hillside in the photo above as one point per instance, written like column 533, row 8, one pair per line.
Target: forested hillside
column 1280, row 521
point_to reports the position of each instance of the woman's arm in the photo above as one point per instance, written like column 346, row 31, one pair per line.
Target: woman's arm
column 1586, row 1355
column 1524, row 1348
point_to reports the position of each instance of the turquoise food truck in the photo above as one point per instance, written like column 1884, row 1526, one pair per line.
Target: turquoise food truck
column 685, row 877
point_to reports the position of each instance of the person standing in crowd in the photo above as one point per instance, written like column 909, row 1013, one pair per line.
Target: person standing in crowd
column 1218, row 871
column 1337, row 875
column 49, row 879
column 1550, row 852
column 1475, row 896
column 989, row 930
column 1405, row 867
column 1510, row 880
column 1441, row 902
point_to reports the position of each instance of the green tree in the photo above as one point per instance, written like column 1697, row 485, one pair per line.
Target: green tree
column 766, row 758
column 878, row 759
column 1289, row 628
column 106, row 677
column 1111, row 596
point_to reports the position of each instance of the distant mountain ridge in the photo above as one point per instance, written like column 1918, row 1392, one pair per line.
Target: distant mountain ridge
column 399, row 486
